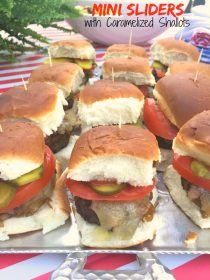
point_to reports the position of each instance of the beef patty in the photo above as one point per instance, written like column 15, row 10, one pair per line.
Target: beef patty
column 83, row 208
column 199, row 196
column 119, row 217
column 164, row 143
column 60, row 139
column 88, row 208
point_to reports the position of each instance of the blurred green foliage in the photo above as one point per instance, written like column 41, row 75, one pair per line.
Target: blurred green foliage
column 16, row 15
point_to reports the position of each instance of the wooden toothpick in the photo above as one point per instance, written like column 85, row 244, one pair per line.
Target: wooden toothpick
column 24, row 83
column 50, row 58
column 201, row 53
column 196, row 76
column 199, row 59
column 120, row 121
column 113, row 75
column 1, row 129
column 129, row 45
column 64, row 175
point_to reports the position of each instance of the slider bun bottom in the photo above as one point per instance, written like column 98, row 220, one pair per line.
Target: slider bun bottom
column 166, row 158
column 91, row 237
column 46, row 218
column 173, row 181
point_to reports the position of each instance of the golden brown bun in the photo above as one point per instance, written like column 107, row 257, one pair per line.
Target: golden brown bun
column 80, row 49
column 124, row 48
column 172, row 43
column 106, row 89
column 136, row 65
column 173, row 46
column 189, row 67
column 166, row 159
column 39, row 99
column 112, row 140
column 59, row 190
column 173, row 181
column 180, row 98
column 74, row 43
column 135, row 70
column 63, row 75
column 21, row 139
column 194, row 137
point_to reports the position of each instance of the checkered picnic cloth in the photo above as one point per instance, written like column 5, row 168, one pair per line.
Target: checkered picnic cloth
column 198, row 34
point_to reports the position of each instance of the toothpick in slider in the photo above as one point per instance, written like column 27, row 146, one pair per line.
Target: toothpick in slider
column 1, row 129
column 63, row 176
column 180, row 37
column 120, row 121
column 24, row 83
column 196, row 76
column 199, row 59
column 201, row 53
column 50, row 58
column 129, row 45
column 113, row 75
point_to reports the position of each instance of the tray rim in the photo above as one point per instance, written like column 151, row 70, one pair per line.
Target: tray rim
column 101, row 251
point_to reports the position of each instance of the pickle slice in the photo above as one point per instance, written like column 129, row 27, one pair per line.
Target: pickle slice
column 7, row 192
column 158, row 65
column 200, row 169
column 57, row 60
column 109, row 189
column 84, row 64
column 29, row 177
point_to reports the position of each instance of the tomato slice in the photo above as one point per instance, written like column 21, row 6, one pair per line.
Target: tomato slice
column 27, row 192
column 144, row 90
column 182, row 164
column 160, row 73
column 157, row 122
column 129, row 193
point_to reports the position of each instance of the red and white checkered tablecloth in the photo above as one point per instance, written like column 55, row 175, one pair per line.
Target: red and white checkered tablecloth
column 40, row 266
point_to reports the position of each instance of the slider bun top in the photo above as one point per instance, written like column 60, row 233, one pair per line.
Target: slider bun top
column 105, row 103
column 189, row 67
column 193, row 138
column 37, row 100
column 66, row 76
column 135, row 70
column 41, row 102
column 121, row 50
column 170, row 50
column 80, row 49
column 135, row 64
column 21, row 148
column 106, row 89
column 124, row 154
column 180, row 97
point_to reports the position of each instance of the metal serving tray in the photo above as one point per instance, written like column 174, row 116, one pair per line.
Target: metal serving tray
column 173, row 228
column 149, row 268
